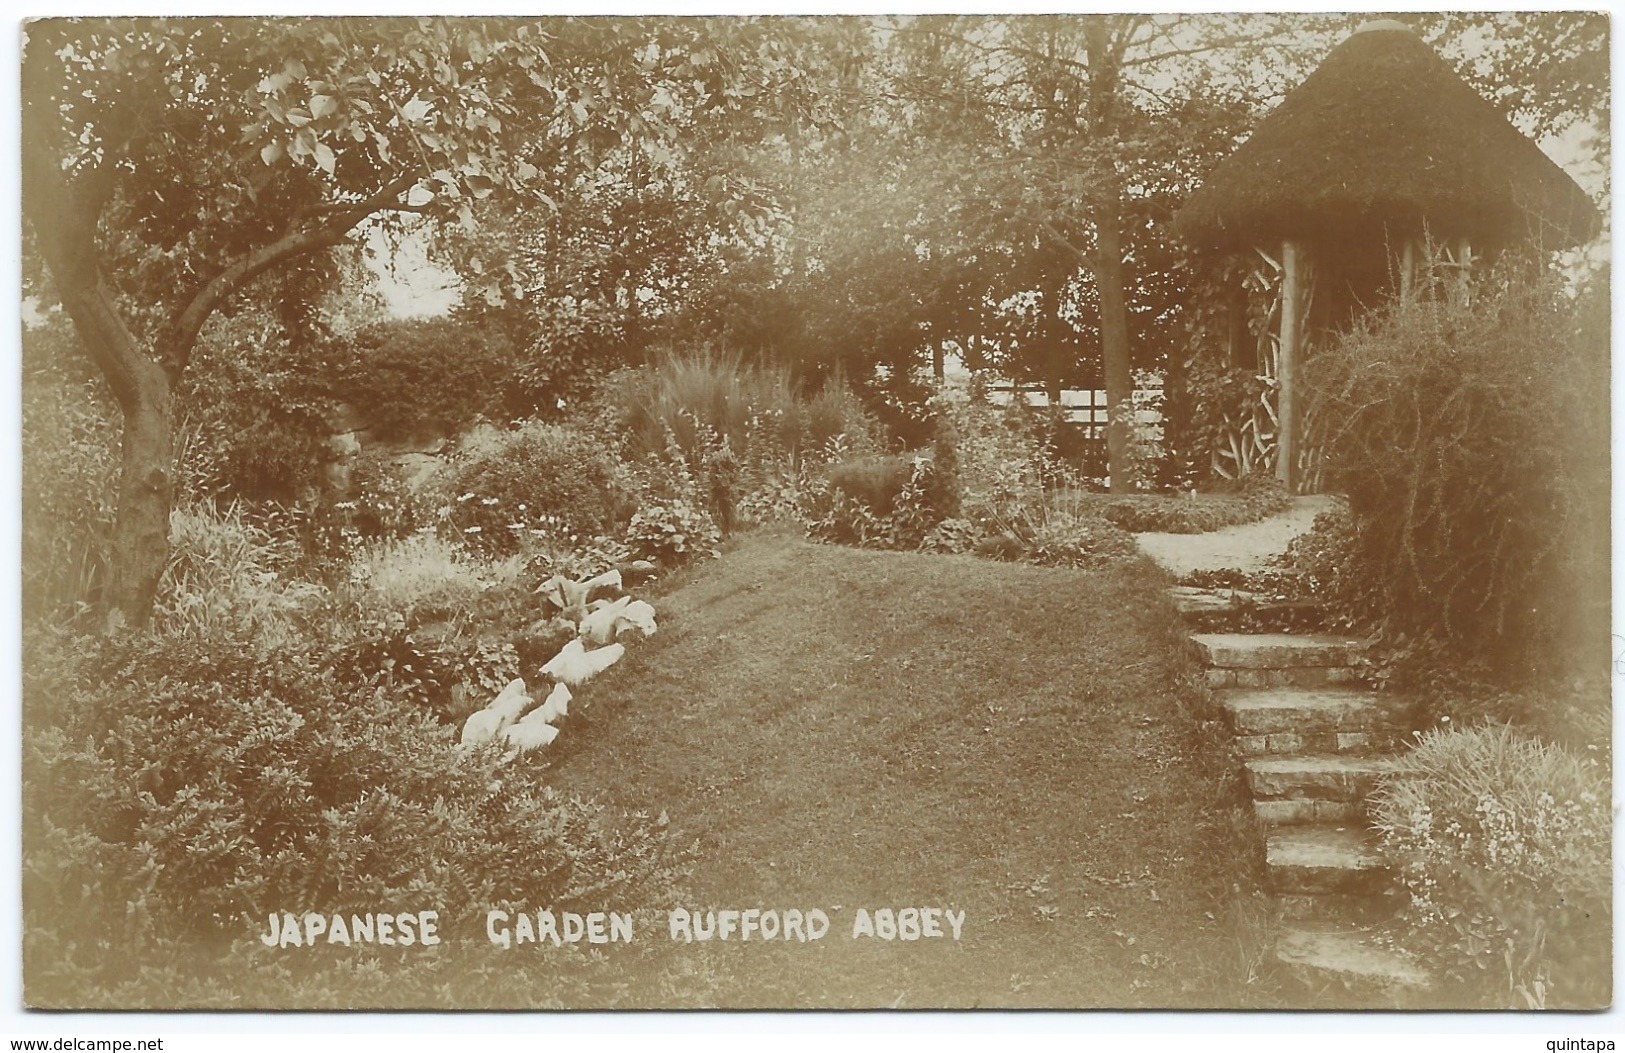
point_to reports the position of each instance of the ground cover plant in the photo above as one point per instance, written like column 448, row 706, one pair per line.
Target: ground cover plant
column 1252, row 498
column 1504, row 844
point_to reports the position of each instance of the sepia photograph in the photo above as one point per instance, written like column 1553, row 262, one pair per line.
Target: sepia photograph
column 823, row 512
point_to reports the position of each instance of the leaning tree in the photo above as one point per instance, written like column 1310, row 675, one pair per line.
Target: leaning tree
column 175, row 167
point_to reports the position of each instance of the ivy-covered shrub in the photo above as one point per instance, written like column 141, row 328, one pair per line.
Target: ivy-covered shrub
column 503, row 488
column 1468, row 426
column 177, row 794
column 1504, row 848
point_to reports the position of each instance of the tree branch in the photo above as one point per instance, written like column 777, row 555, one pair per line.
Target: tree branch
column 1085, row 261
column 179, row 337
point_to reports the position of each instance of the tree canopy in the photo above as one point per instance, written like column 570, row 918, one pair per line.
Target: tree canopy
column 866, row 196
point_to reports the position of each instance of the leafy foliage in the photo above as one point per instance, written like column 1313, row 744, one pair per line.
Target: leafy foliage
column 253, row 787
column 419, row 378
column 258, row 399
column 69, row 470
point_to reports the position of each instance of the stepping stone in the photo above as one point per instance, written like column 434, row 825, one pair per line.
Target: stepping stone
column 1277, row 650
column 1322, row 859
column 1306, row 710
column 1321, row 778
column 1348, row 956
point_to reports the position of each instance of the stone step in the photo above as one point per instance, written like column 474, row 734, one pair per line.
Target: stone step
column 1302, row 812
column 1323, row 910
column 1191, row 599
column 1277, row 650
column 1303, row 711
column 1291, row 743
column 1349, row 956
column 1323, row 859
column 1300, row 676
column 1317, row 778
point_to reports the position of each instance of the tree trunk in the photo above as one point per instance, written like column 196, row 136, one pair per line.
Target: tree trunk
column 1114, row 350
column 140, row 542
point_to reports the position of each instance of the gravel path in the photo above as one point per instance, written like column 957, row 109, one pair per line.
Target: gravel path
column 1246, row 548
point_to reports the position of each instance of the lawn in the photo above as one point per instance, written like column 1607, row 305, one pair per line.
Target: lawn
column 848, row 729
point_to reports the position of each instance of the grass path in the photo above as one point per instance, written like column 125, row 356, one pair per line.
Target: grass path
column 843, row 729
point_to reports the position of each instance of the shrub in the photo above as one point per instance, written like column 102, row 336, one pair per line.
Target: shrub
column 694, row 402
column 672, row 532
column 502, row 488
column 70, row 442
column 255, row 403
column 737, row 437
column 874, row 482
column 430, row 377
column 330, row 531
column 869, row 501
column 226, row 573
column 424, row 576
column 175, row 795
column 1504, row 847
column 1467, row 428
column 944, row 492
column 1051, row 536
column 1005, row 457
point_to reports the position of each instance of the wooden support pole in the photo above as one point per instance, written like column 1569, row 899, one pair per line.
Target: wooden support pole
column 1286, row 374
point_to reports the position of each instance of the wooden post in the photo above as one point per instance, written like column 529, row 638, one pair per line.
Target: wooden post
column 1286, row 373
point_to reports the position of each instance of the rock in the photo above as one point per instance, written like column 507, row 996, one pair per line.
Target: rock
column 576, row 665
column 555, row 706
column 639, row 615
column 482, row 726
column 529, row 734
column 598, row 627
column 511, row 701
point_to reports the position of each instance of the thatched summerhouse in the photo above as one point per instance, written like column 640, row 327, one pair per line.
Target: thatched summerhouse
column 1382, row 149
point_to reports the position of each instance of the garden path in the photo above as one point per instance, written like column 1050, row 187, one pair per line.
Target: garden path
column 1315, row 740
column 1250, row 547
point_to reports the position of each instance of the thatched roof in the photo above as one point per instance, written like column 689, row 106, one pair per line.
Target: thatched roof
column 1386, row 133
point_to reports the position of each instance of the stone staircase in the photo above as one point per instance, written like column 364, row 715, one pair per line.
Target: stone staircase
column 1315, row 741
